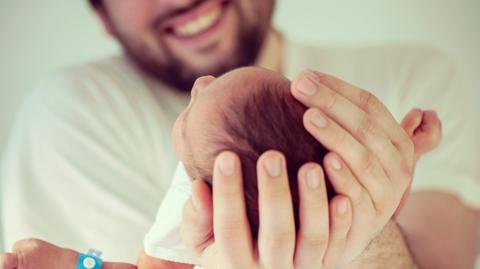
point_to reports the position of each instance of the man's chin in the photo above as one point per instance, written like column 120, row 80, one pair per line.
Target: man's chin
column 181, row 73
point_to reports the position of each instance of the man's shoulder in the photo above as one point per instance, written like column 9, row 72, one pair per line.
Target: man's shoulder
column 104, row 87
column 95, row 96
column 375, row 67
column 381, row 55
column 107, row 77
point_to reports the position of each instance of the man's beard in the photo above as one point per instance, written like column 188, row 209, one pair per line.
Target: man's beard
column 176, row 74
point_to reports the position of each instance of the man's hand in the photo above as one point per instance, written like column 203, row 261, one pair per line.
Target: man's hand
column 217, row 230
column 372, row 157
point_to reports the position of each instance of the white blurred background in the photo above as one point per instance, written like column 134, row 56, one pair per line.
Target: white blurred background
column 37, row 37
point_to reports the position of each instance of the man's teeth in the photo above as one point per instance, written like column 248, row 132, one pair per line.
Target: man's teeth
column 199, row 24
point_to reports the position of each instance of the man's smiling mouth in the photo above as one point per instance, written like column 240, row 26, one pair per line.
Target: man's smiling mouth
column 197, row 21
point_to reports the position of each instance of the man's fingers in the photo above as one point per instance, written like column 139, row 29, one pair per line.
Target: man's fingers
column 8, row 261
column 364, row 127
column 344, row 182
column 363, row 208
column 373, row 106
column 231, row 227
column 340, row 223
column 312, row 238
column 361, row 99
column 363, row 163
column 197, row 223
column 276, row 238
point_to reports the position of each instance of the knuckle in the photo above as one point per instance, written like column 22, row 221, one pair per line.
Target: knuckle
column 407, row 142
column 366, row 128
column 406, row 174
column 409, row 146
column 369, row 102
column 315, row 241
column 369, row 164
column 357, row 196
column 278, row 239
column 229, row 229
column 330, row 100
column 277, row 193
column 342, row 140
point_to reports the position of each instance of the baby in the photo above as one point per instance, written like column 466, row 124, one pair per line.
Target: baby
column 250, row 111
column 247, row 111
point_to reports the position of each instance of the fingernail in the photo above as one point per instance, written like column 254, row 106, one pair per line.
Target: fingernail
column 273, row 165
column 342, row 207
column 319, row 120
column 307, row 86
column 226, row 163
column 313, row 178
column 336, row 164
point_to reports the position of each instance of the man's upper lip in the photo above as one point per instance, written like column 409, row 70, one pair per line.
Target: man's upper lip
column 191, row 14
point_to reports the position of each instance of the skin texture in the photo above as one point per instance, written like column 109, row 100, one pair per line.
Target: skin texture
column 201, row 120
column 318, row 226
column 131, row 20
column 343, row 93
column 462, row 222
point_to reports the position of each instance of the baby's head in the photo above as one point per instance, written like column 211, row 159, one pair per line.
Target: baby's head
column 247, row 111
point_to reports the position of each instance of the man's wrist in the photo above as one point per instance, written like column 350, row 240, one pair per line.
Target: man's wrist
column 387, row 250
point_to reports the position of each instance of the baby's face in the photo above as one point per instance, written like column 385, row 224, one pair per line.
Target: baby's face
column 201, row 120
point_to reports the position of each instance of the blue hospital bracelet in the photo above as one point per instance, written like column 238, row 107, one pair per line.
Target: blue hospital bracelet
column 91, row 260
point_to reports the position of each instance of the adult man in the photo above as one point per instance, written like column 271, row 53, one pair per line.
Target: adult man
column 104, row 128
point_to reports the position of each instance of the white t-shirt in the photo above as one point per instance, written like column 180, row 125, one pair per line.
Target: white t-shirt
column 90, row 159
column 403, row 78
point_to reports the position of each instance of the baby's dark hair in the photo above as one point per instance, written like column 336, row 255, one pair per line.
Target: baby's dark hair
column 269, row 118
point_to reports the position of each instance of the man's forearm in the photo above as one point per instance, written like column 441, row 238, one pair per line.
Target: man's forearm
column 387, row 250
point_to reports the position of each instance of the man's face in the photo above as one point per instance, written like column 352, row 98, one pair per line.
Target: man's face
column 180, row 40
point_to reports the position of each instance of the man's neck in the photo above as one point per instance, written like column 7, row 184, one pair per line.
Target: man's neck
column 271, row 55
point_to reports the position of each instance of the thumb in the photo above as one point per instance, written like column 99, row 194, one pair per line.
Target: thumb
column 8, row 261
column 429, row 134
column 197, row 223
column 412, row 121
